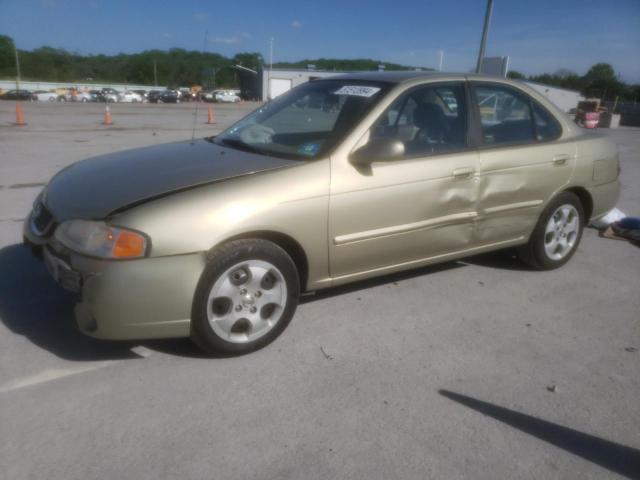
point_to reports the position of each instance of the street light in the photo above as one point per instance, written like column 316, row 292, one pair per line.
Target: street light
column 485, row 31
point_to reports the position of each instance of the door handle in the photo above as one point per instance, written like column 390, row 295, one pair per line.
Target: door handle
column 463, row 172
column 560, row 159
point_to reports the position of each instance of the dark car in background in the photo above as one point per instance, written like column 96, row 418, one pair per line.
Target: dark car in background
column 16, row 95
column 169, row 96
column 154, row 95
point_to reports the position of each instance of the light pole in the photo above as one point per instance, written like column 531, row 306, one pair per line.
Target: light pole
column 485, row 31
column 270, row 68
column 15, row 49
column 441, row 59
column 155, row 73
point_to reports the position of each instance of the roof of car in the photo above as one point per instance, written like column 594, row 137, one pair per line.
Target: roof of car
column 405, row 76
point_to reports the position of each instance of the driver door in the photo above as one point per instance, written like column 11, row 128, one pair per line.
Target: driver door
column 393, row 214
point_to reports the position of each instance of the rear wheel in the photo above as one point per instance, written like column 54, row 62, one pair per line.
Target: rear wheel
column 556, row 235
column 246, row 297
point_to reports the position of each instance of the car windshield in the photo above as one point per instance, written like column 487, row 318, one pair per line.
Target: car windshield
column 306, row 122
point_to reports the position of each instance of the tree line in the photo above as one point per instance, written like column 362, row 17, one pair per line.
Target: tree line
column 600, row 81
column 173, row 68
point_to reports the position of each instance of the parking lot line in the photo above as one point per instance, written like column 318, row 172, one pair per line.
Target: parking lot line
column 54, row 374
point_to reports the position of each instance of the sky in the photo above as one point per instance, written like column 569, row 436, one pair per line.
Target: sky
column 539, row 36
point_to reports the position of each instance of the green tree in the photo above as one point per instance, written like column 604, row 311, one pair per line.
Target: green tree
column 516, row 75
column 7, row 57
column 601, row 81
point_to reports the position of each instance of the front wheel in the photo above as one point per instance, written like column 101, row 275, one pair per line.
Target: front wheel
column 556, row 235
column 245, row 298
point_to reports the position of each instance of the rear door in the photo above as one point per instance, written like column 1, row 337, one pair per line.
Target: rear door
column 523, row 161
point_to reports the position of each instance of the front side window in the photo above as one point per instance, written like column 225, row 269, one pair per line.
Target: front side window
column 505, row 115
column 427, row 120
column 306, row 122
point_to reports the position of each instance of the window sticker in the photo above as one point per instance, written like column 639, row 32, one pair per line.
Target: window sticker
column 309, row 149
column 357, row 90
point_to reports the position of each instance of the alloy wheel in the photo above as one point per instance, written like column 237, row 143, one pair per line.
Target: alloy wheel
column 247, row 301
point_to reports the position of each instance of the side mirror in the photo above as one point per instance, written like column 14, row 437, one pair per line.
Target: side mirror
column 378, row 150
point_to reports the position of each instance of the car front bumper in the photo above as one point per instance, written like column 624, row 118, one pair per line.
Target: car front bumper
column 124, row 299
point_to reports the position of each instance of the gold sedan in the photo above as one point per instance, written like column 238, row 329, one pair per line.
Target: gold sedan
column 338, row 180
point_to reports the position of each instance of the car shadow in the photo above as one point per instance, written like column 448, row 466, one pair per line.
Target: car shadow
column 499, row 259
column 34, row 306
column 392, row 278
column 612, row 456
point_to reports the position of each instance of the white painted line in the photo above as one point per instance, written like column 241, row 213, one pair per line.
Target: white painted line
column 53, row 374
column 141, row 351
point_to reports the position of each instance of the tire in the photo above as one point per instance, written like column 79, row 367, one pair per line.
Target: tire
column 557, row 234
column 245, row 298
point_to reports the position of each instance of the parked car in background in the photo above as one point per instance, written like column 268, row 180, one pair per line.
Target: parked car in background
column 45, row 96
column 169, row 96
column 95, row 96
column 129, row 96
column 76, row 96
column 154, row 95
column 227, row 96
column 109, row 95
column 208, row 95
column 142, row 93
column 338, row 180
column 16, row 95
column 186, row 95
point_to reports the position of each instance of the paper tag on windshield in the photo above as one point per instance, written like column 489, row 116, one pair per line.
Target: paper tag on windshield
column 357, row 90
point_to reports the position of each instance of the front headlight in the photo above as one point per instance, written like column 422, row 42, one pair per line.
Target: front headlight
column 97, row 239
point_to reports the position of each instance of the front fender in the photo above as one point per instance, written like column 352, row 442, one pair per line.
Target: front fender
column 292, row 201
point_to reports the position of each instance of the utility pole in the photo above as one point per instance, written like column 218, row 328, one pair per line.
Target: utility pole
column 270, row 68
column 485, row 31
column 15, row 49
column 155, row 73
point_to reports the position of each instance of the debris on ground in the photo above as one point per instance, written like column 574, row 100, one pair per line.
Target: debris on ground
column 626, row 229
column 613, row 216
column 326, row 355
column 552, row 388
column 631, row 349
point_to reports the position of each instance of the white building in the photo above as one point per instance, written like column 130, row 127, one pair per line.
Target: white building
column 566, row 100
column 276, row 82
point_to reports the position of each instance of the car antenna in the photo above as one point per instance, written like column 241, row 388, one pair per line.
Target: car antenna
column 195, row 113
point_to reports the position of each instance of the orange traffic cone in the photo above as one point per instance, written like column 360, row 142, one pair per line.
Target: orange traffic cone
column 211, row 119
column 19, row 115
column 107, row 116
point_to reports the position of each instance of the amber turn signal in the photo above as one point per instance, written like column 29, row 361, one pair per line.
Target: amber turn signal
column 128, row 244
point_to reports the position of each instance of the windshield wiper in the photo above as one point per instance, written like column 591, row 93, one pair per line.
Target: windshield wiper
column 240, row 145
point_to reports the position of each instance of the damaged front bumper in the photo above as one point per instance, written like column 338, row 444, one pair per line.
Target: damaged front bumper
column 123, row 299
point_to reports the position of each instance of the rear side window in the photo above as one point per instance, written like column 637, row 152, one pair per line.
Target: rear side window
column 505, row 115
column 547, row 127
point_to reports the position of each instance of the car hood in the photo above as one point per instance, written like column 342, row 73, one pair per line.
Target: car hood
column 99, row 186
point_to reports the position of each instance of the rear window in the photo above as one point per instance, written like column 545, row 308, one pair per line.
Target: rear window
column 509, row 116
column 505, row 115
column 547, row 127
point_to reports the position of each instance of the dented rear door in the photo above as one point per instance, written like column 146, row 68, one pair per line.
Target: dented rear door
column 521, row 165
column 515, row 184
